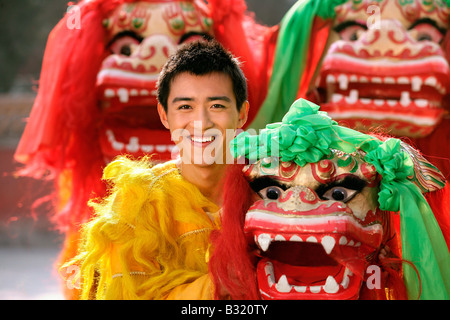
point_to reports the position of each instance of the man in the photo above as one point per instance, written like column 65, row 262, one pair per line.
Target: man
column 198, row 103
column 150, row 237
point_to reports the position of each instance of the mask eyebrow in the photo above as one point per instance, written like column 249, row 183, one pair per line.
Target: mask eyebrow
column 428, row 21
column 350, row 182
column 263, row 182
column 125, row 33
column 349, row 23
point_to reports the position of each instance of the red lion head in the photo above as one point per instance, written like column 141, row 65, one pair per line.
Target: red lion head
column 330, row 214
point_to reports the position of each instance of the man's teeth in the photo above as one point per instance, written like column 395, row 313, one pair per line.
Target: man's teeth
column 264, row 240
column 331, row 286
column 202, row 139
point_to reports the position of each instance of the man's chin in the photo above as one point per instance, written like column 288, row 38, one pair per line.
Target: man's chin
column 202, row 157
column 203, row 162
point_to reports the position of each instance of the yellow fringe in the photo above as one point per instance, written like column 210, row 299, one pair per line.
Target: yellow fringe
column 146, row 230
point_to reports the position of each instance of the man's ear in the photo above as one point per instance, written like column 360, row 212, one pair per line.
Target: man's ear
column 163, row 115
column 243, row 114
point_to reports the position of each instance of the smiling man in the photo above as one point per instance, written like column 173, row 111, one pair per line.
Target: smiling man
column 150, row 237
column 202, row 101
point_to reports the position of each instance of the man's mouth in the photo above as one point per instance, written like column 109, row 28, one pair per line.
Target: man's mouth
column 202, row 141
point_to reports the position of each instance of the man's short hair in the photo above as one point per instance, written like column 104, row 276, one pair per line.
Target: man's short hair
column 202, row 58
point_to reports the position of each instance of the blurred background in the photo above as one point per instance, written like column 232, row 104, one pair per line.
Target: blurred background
column 28, row 244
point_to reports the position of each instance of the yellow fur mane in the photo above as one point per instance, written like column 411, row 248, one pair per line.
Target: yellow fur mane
column 150, row 235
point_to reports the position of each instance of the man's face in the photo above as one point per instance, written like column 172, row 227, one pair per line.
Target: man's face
column 202, row 116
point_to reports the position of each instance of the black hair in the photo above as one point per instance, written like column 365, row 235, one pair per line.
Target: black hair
column 202, row 58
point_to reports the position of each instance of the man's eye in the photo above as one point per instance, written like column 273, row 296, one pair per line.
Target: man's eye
column 271, row 193
column 184, row 107
column 217, row 106
column 339, row 194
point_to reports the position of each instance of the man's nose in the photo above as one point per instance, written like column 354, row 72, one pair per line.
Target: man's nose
column 202, row 120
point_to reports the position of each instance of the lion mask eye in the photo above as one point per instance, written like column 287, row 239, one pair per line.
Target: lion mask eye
column 342, row 190
column 271, row 193
column 124, row 43
column 339, row 194
column 268, row 188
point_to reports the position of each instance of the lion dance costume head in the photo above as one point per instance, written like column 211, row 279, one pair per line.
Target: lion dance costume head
column 370, row 64
column 316, row 203
column 97, row 96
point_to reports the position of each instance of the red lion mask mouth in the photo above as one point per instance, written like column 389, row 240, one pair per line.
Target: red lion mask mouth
column 323, row 218
column 317, row 250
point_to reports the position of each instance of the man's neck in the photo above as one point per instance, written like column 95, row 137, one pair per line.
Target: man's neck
column 208, row 179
